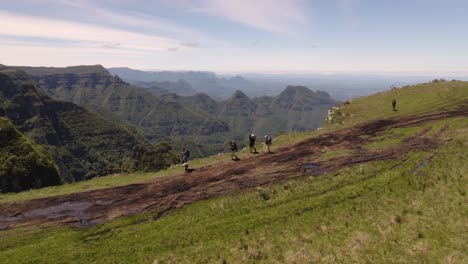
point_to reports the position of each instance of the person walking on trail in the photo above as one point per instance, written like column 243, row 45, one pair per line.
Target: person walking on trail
column 394, row 104
column 252, row 138
column 185, row 159
column 233, row 147
column 267, row 144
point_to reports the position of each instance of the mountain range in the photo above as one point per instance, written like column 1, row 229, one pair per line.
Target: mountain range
column 297, row 108
column 217, row 87
column 199, row 122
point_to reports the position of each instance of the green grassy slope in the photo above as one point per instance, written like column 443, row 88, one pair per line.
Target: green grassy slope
column 411, row 100
column 398, row 211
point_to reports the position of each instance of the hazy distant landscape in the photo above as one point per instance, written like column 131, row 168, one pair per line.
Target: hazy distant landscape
column 341, row 86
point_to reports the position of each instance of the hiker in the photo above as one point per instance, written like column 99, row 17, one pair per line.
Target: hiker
column 233, row 147
column 394, row 104
column 267, row 144
column 185, row 159
column 252, row 138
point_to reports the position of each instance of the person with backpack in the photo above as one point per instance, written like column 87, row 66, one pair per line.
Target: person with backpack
column 233, row 147
column 267, row 144
column 252, row 138
column 185, row 159
column 394, row 104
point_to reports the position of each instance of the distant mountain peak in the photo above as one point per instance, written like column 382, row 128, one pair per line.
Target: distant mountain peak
column 296, row 88
column 202, row 95
column 239, row 79
column 292, row 91
column 239, row 95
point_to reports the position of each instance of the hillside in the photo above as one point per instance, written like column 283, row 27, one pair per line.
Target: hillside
column 24, row 164
column 82, row 144
column 109, row 96
column 297, row 108
column 238, row 110
column 376, row 186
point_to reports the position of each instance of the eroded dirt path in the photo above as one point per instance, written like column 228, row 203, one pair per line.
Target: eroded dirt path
column 164, row 194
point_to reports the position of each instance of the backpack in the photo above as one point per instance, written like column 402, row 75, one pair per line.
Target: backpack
column 233, row 146
column 269, row 141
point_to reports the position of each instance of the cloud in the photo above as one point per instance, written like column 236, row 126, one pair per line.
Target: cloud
column 190, row 44
column 20, row 53
column 81, row 33
column 278, row 16
column 111, row 45
column 123, row 14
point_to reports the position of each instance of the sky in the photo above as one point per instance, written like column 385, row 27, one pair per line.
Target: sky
column 270, row 36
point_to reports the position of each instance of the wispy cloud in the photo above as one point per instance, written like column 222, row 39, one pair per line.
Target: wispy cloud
column 128, row 18
column 278, row 16
column 111, row 45
column 82, row 33
column 141, row 21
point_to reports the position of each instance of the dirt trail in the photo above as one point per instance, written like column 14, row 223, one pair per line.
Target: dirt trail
column 164, row 194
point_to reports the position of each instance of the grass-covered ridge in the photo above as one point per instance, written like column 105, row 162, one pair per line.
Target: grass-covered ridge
column 406, row 210
column 411, row 100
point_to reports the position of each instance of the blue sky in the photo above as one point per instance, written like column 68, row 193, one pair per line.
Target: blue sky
column 412, row 36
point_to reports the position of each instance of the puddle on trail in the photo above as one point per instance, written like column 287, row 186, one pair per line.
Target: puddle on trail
column 309, row 166
column 314, row 169
column 78, row 208
column 73, row 209
column 102, row 202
